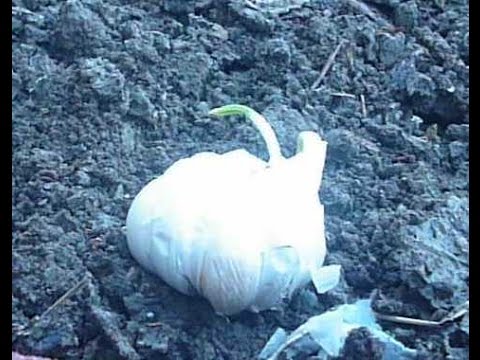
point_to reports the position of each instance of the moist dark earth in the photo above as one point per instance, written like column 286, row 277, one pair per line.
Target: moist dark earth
column 108, row 94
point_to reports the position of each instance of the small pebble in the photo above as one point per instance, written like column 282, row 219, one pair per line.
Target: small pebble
column 150, row 315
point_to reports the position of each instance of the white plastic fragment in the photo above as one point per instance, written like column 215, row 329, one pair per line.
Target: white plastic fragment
column 239, row 231
column 326, row 278
column 275, row 341
column 331, row 329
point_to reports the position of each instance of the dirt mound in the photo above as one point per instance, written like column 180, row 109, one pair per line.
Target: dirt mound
column 107, row 94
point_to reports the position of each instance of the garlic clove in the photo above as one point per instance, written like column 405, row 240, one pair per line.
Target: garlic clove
column 229, row 281
column 279, row 265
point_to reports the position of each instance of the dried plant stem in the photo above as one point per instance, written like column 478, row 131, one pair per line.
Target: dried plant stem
column 406, row 320
column 364, row 105
column 65, row 296
column 343, row 94
column 453, row 316
column 328, row 65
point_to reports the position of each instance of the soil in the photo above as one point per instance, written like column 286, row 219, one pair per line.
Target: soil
column 107, row 94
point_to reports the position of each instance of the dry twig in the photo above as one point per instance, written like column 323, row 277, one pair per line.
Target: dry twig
column 453, row 316
column 327, row 65
column 154, row 324
column 364, row 106
column 64, row 297
column 343, row 94
column 24, row 330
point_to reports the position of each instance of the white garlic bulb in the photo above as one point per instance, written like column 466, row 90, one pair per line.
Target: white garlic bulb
column 241, row 232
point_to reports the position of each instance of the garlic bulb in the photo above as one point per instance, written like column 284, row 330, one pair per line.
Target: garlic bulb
column 241, row 232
